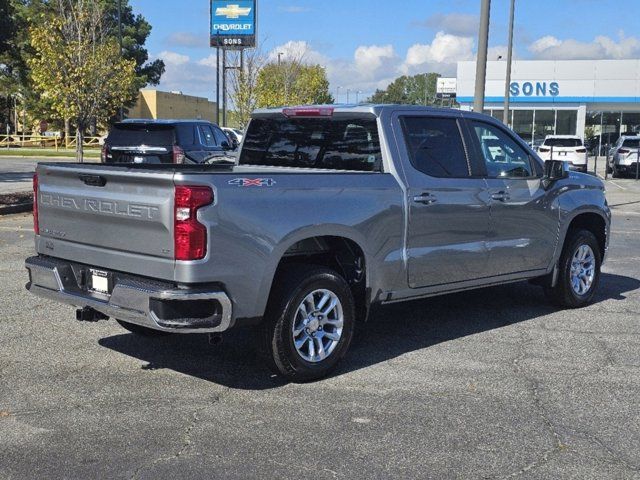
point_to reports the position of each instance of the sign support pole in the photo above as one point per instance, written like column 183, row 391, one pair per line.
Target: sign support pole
column 218, row 85
column 224, row 87
column 507, row 87
column 481, row 63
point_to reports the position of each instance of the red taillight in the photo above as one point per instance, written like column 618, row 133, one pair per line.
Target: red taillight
column 178, row 154
column 308, row 112
column 624, row 151
column 544, row 150
column 36, row 226
column 581, row 150
column 190, row 236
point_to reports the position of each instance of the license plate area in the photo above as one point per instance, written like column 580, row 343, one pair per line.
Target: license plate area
column 100, row 282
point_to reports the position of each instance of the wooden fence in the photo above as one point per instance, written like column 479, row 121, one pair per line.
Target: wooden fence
column 41, row 141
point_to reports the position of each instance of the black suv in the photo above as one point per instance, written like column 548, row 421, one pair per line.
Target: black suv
column 165, row 141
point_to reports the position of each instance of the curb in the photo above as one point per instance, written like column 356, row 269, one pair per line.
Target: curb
column 16, row 208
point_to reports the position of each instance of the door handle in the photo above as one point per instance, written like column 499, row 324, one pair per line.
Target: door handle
column 425, row 199
column 501, row 196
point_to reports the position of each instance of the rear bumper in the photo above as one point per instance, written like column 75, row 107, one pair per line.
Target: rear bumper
column 628, row 169
column 133, row 299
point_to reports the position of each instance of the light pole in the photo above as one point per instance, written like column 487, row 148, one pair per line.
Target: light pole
column 358, row 92
column 348, row 91
column 338, row 94
column 481, row 63
column 120, row 43
column 507, row 86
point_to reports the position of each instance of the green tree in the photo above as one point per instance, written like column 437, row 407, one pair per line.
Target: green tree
column 415, row 90
column 7, row 25
column 77, row 66
column 243, row 86
column 292, row 83
column 135, row 31
column 15, row 77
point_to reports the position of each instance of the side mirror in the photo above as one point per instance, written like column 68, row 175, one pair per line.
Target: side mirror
column 554, row 170
column 225, row 145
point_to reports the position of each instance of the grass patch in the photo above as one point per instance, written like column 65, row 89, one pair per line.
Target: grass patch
column 45, row 152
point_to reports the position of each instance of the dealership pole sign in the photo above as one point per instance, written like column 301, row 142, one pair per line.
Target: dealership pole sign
column 233, row 24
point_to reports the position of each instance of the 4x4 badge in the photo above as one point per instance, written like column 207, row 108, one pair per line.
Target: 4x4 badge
column 252, row 182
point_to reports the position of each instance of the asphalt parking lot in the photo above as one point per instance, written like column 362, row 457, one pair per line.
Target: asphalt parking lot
column 494, row 383
column 16, row 173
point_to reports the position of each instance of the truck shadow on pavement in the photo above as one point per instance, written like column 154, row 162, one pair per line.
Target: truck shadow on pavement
column 392, row 331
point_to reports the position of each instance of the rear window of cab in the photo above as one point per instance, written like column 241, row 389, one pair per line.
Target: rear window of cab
column 336, row 143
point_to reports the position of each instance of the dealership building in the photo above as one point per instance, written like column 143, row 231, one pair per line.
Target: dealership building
column 563, row 97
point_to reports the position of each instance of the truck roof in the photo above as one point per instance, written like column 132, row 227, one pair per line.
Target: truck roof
column 374, row 108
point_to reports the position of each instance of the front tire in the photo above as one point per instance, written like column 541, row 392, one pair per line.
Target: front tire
column 142, row 331
column 579, row 270
column 309, row 323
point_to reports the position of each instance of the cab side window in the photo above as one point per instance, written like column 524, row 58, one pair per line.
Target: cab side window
column 503, row 156
column 206, row 136
column 220, row 137
column 435, row 146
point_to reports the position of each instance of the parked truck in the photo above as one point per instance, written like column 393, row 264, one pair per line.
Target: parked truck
column 328, row 212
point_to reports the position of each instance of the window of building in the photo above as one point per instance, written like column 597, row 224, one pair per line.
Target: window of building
column 630, row 123
column 545, row 125
column 610, row 128
column 523, row 124
column 566, row 122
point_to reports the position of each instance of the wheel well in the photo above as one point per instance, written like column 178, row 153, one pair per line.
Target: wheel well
column 337, row 253
column 593, row 223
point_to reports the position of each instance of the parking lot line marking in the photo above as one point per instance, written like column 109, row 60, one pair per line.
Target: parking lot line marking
column 614, row 183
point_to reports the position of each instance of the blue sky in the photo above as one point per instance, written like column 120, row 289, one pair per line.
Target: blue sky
column 367, row 43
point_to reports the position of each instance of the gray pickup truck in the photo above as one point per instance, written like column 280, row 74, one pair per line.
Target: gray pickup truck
column 328, row 212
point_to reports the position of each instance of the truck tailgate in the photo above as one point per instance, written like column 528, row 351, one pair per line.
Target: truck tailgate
column 87, row 209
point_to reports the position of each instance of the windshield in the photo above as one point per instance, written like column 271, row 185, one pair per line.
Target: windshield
column 327, row 143
column 131, row 134
column 563, row 142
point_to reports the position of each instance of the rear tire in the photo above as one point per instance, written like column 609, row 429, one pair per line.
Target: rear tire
column 309, row 323
column 579, row 270
column 614, row 172
column 142, row 331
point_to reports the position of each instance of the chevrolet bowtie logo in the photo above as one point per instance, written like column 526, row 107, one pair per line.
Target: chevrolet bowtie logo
column 233, row 11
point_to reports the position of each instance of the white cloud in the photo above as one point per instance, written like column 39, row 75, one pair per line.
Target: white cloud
column 461, row 24
column 184, row 74
column 441, row 55
column 209, row 61
column 602, row 47
column 187, row 39
column 544, row 43
column 371, row 58
column 298, row 50
column 371, row 67
column 173, row 58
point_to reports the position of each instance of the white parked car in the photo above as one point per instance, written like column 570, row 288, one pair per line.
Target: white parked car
column 623, row 157
column 568, row 148
column 234, row 134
